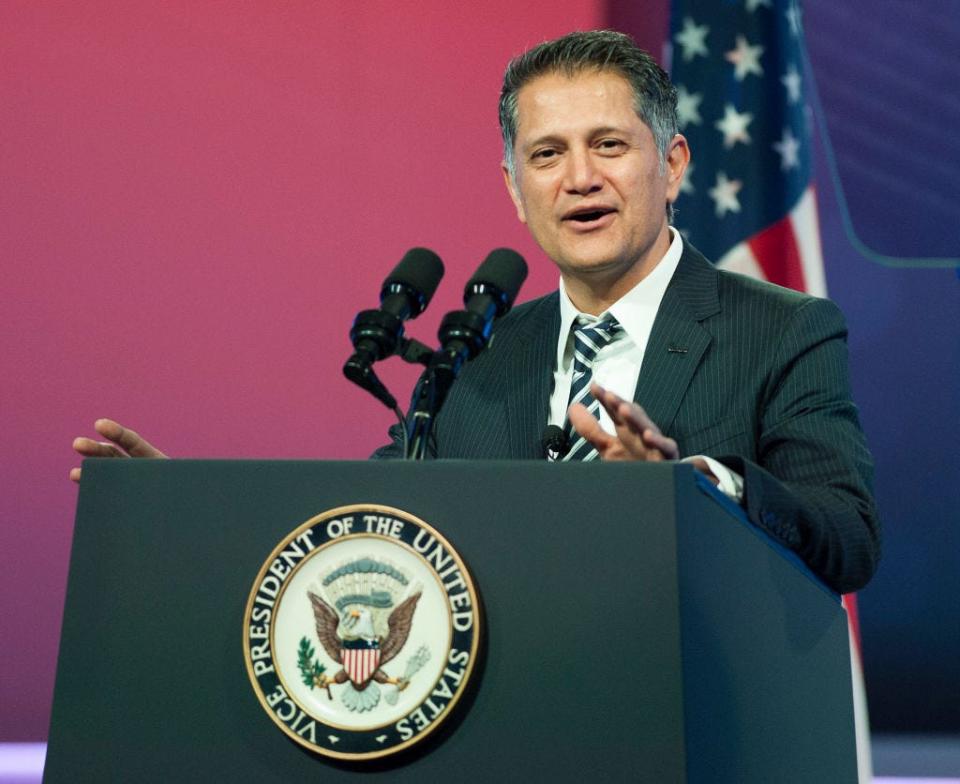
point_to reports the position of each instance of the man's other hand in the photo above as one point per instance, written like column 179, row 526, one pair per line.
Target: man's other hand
column 121, row 442
column 637, row 436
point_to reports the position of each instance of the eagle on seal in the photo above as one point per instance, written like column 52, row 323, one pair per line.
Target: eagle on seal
column 352, row 642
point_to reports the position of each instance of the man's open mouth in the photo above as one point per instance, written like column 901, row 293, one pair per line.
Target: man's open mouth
column 588, row 215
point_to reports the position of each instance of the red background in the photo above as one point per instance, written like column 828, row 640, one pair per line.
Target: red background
column 195, row 199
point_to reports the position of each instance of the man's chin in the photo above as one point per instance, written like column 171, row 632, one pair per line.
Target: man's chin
column 593, row 266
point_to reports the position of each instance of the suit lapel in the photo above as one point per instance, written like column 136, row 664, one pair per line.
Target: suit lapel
column 678, row 341
column 676, row 348
column 531, row 364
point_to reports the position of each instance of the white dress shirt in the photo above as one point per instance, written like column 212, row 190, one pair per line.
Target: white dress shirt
column 617, row 364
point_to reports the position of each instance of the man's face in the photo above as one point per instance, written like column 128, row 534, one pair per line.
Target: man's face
column 587, row 177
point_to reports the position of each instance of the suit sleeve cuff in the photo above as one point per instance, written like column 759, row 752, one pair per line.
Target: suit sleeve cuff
column 730, row 483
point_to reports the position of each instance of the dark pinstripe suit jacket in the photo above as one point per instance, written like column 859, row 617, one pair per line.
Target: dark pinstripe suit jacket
column 749, row 373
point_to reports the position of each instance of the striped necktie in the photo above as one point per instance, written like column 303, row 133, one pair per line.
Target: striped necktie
column 588, row 339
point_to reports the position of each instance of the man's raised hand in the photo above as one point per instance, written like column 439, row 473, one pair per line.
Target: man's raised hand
column 637, row 436
column 121, row 442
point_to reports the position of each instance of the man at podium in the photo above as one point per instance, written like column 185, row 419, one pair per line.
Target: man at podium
column 647, row 351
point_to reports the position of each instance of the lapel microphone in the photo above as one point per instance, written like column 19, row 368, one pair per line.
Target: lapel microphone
column 554, row 442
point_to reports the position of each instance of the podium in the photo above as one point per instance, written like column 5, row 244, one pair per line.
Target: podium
column 636, row 627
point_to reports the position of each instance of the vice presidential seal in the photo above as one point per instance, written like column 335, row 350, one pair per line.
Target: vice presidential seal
column 361, row 632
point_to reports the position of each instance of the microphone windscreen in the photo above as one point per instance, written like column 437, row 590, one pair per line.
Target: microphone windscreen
column 421, row 270
column 554, row 442
column 503, row 270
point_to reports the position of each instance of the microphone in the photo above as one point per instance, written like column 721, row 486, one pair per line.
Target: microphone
column 463, row 334
column 377, row 334
column 488, row 295
column 405, row 294
column 554, row 442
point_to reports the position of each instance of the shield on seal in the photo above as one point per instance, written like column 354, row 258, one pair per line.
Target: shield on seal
column 360, row 661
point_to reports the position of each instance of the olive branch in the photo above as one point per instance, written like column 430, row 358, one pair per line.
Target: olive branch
column 310, row 668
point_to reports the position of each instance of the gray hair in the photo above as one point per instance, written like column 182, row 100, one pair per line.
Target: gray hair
column 655, row 98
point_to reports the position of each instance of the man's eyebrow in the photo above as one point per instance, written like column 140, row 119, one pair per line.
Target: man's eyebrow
column 553, row 138
column 603, row 130
column 550, row 138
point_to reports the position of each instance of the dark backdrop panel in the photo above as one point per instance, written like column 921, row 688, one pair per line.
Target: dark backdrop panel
column 897, row 100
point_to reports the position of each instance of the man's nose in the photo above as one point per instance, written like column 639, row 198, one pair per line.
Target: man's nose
column 582, row 174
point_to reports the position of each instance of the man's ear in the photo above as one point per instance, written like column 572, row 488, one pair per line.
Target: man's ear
column 678, row 156
column 514, row 192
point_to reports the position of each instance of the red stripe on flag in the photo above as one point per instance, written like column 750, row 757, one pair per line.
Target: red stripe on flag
column 778, row 255
column 850, row 602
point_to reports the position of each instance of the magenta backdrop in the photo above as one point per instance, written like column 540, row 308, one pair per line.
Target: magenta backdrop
column 195, row 199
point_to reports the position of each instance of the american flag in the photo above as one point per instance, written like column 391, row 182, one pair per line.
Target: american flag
column 749, row 201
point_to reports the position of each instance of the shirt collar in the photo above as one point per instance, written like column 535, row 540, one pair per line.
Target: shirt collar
column 635, row 310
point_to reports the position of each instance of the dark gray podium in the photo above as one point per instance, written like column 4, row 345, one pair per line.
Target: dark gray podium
column 637, row 629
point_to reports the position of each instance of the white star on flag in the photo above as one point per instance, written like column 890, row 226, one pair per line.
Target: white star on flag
column 686, row 186
column 791, row 80
column 794, row 19
column 688, row 107
column 734, row 126
column 745, row 59
column 724, row 194
column 693, row 39
column 788, row 148
column 753, row 5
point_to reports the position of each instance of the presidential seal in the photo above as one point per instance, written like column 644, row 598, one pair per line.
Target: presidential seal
column 361, row 632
